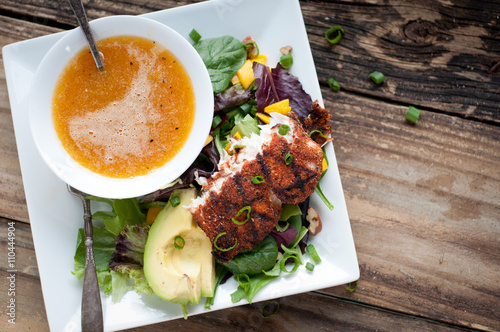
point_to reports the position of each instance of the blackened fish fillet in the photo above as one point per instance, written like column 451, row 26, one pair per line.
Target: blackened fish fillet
column 291, row 166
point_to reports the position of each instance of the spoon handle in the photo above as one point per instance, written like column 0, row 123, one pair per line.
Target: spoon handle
column 79, row 11
column 92, row 319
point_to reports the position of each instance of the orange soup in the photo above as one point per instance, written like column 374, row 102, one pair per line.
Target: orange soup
column 130, row 118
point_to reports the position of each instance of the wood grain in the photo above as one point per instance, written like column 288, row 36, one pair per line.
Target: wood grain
column 424, row 203
column 436, row 54
column 424, row 200
column 310, row 311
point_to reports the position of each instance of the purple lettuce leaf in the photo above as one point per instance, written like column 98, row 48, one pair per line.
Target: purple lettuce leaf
column 129, row 246
column 285, row 238
column 205, row 165
column 266, row 92
column 289, row 87
column 279, row 84
column 232, row 96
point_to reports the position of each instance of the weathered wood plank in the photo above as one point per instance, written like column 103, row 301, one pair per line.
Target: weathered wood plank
column 423, row 200
column 309, row 311
column 435, row 54
column 12, row 198
column 424, row 203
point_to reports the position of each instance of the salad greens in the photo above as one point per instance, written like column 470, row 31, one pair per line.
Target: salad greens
column 120, row 240
column 223, row 56
column 118, row 248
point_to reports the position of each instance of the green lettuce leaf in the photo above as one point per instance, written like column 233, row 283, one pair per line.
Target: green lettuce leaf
column 223, row 56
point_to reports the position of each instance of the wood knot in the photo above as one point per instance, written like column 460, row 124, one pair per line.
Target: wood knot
column 420, row 32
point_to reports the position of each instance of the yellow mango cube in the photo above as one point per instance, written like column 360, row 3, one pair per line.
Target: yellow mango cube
column 235, row 80
column 264, row 118
column 237, row 135
column 245, row 73
column 209, row 139
column 282, row 107
column 325, row 164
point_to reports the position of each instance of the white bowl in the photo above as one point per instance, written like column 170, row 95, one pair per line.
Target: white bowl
column 42, row 125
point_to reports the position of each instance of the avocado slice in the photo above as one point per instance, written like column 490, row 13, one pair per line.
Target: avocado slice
column 179, row 275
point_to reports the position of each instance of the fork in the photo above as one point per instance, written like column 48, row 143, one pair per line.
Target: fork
column 92, row 319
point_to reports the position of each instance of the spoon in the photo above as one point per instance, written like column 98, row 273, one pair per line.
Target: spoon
column 79, row 11
column 91, row 297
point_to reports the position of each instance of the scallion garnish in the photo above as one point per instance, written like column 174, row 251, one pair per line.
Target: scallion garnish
column 288, row 158
column 318, row 132
column 240, row 146
column 270, row 306
column 246, row 209
column 283, row 129
column 295, row 266
column 333, row 85
column 179, row 242
column 323, row 197
column 221, row 249
column 413, row 114
column 314, row 254
column 334, row 34
column 195, row 36
column 286, row 61
column 280, row 228
column 257, row 179
column 351, row 287
column 310, row 266
column 249, row 45
column 377, row 77
column 174, row 201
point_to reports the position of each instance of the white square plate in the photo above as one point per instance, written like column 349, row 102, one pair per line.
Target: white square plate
column 55, row 215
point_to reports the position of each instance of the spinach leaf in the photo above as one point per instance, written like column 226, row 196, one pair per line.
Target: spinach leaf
column 104, row 246
column 223, row 56
column 255, row 260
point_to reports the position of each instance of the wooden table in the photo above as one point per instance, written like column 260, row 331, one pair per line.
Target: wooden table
column 423, row 200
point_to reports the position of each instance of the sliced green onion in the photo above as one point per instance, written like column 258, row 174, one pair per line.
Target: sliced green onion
column 377, row 77
column 179, row 242
column 293, row 251
column 310, row 266
column 334, row 34
column 221, row 249
column 270, row 306
column 314, row 254
column 249, row 45
column 281, row 229
column 302, row 233
column 174, row 201
column 413, row 114
column 239, row 146
column 286, row 61
column 334, row 85
column 351, row 287
column 246, row 209
column 283, row 129
column 323, row 197
column 318, row 132
column 195, row 36
column 257, row 179
column 295, row 266
column 288, row 158
column 243, row 283
column 216, row 121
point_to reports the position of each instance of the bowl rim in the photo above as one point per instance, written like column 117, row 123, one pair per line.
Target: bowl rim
column 41, row 93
